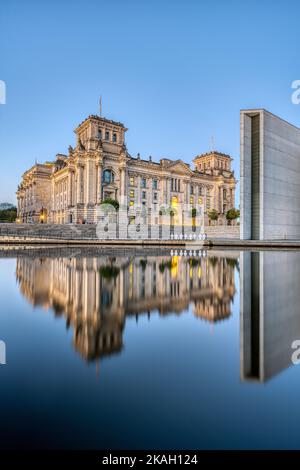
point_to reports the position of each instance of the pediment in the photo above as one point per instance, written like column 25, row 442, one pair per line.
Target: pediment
column 180, row 167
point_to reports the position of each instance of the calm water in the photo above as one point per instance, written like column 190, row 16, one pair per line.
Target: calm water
column 131, row 349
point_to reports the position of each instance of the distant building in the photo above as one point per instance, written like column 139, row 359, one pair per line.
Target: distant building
column 4, row 206
column 71, row 188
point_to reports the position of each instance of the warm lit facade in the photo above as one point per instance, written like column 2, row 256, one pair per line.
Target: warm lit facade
column 70, row 189
column 97, row 293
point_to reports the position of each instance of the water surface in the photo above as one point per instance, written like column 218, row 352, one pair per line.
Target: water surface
column 137, row 349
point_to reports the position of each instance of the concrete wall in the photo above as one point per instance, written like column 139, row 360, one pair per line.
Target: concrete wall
column 278, row 161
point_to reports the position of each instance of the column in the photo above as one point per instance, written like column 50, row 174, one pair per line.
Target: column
column 99, row 183
column 221, row 200
column 69, row 189
column 79, row 183
column 138, row 189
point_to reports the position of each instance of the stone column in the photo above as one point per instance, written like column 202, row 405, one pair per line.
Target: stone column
column 221, row 200
column 123, row 185
column 138, row 190
column 69, row 189
column 79, row 183
column 99, row 183
column 187, row 197
column 232, row 197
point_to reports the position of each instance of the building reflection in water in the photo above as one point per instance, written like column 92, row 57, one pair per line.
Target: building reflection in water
column 270, row 312
column 96, row 294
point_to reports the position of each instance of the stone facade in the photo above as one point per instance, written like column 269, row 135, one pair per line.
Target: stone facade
column 97, row 293
column 73, row 186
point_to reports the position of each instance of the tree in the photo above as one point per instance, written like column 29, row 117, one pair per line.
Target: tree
column 232, row 214
column 8, row 215
column 194, row 213
column 112, row 202
column 213, row 214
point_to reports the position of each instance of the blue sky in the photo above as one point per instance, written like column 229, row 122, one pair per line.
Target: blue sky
column 175, row 72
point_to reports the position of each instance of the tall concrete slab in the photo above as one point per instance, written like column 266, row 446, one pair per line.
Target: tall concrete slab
column 270, row 177
column 270, row 313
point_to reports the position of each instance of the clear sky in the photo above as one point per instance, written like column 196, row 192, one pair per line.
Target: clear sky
column 175, row 72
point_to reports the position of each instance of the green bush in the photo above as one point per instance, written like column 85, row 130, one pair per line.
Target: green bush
column 8, row 215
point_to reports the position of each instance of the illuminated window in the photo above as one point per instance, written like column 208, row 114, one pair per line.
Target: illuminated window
column 192, row 200
column 131, row 203
column 200, row 200
column 131, row 181
column 174, row 201
column 131, row 193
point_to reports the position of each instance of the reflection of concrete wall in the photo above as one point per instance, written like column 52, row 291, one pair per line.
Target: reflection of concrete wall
column 270, row 177
column 270, row 312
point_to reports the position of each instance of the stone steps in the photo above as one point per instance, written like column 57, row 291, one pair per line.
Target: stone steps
column 88, row 231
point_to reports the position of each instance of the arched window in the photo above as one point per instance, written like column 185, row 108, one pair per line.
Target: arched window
column 108, row 177
column 99, row 134
column 114, row 137
column 106, row 135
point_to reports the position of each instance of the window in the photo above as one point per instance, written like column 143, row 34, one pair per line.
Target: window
column 114, row 137
column 192, row 189
column 131, row 193
column 143, row 182
column 200, row 200
column 200, row 190
column 106, row 135
column 108, row 177
column 155, row 196
column 143, row 194
column 154, row 184
column 192, row 200
column 131, row 181
column 99, row 134
column 131, row 203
